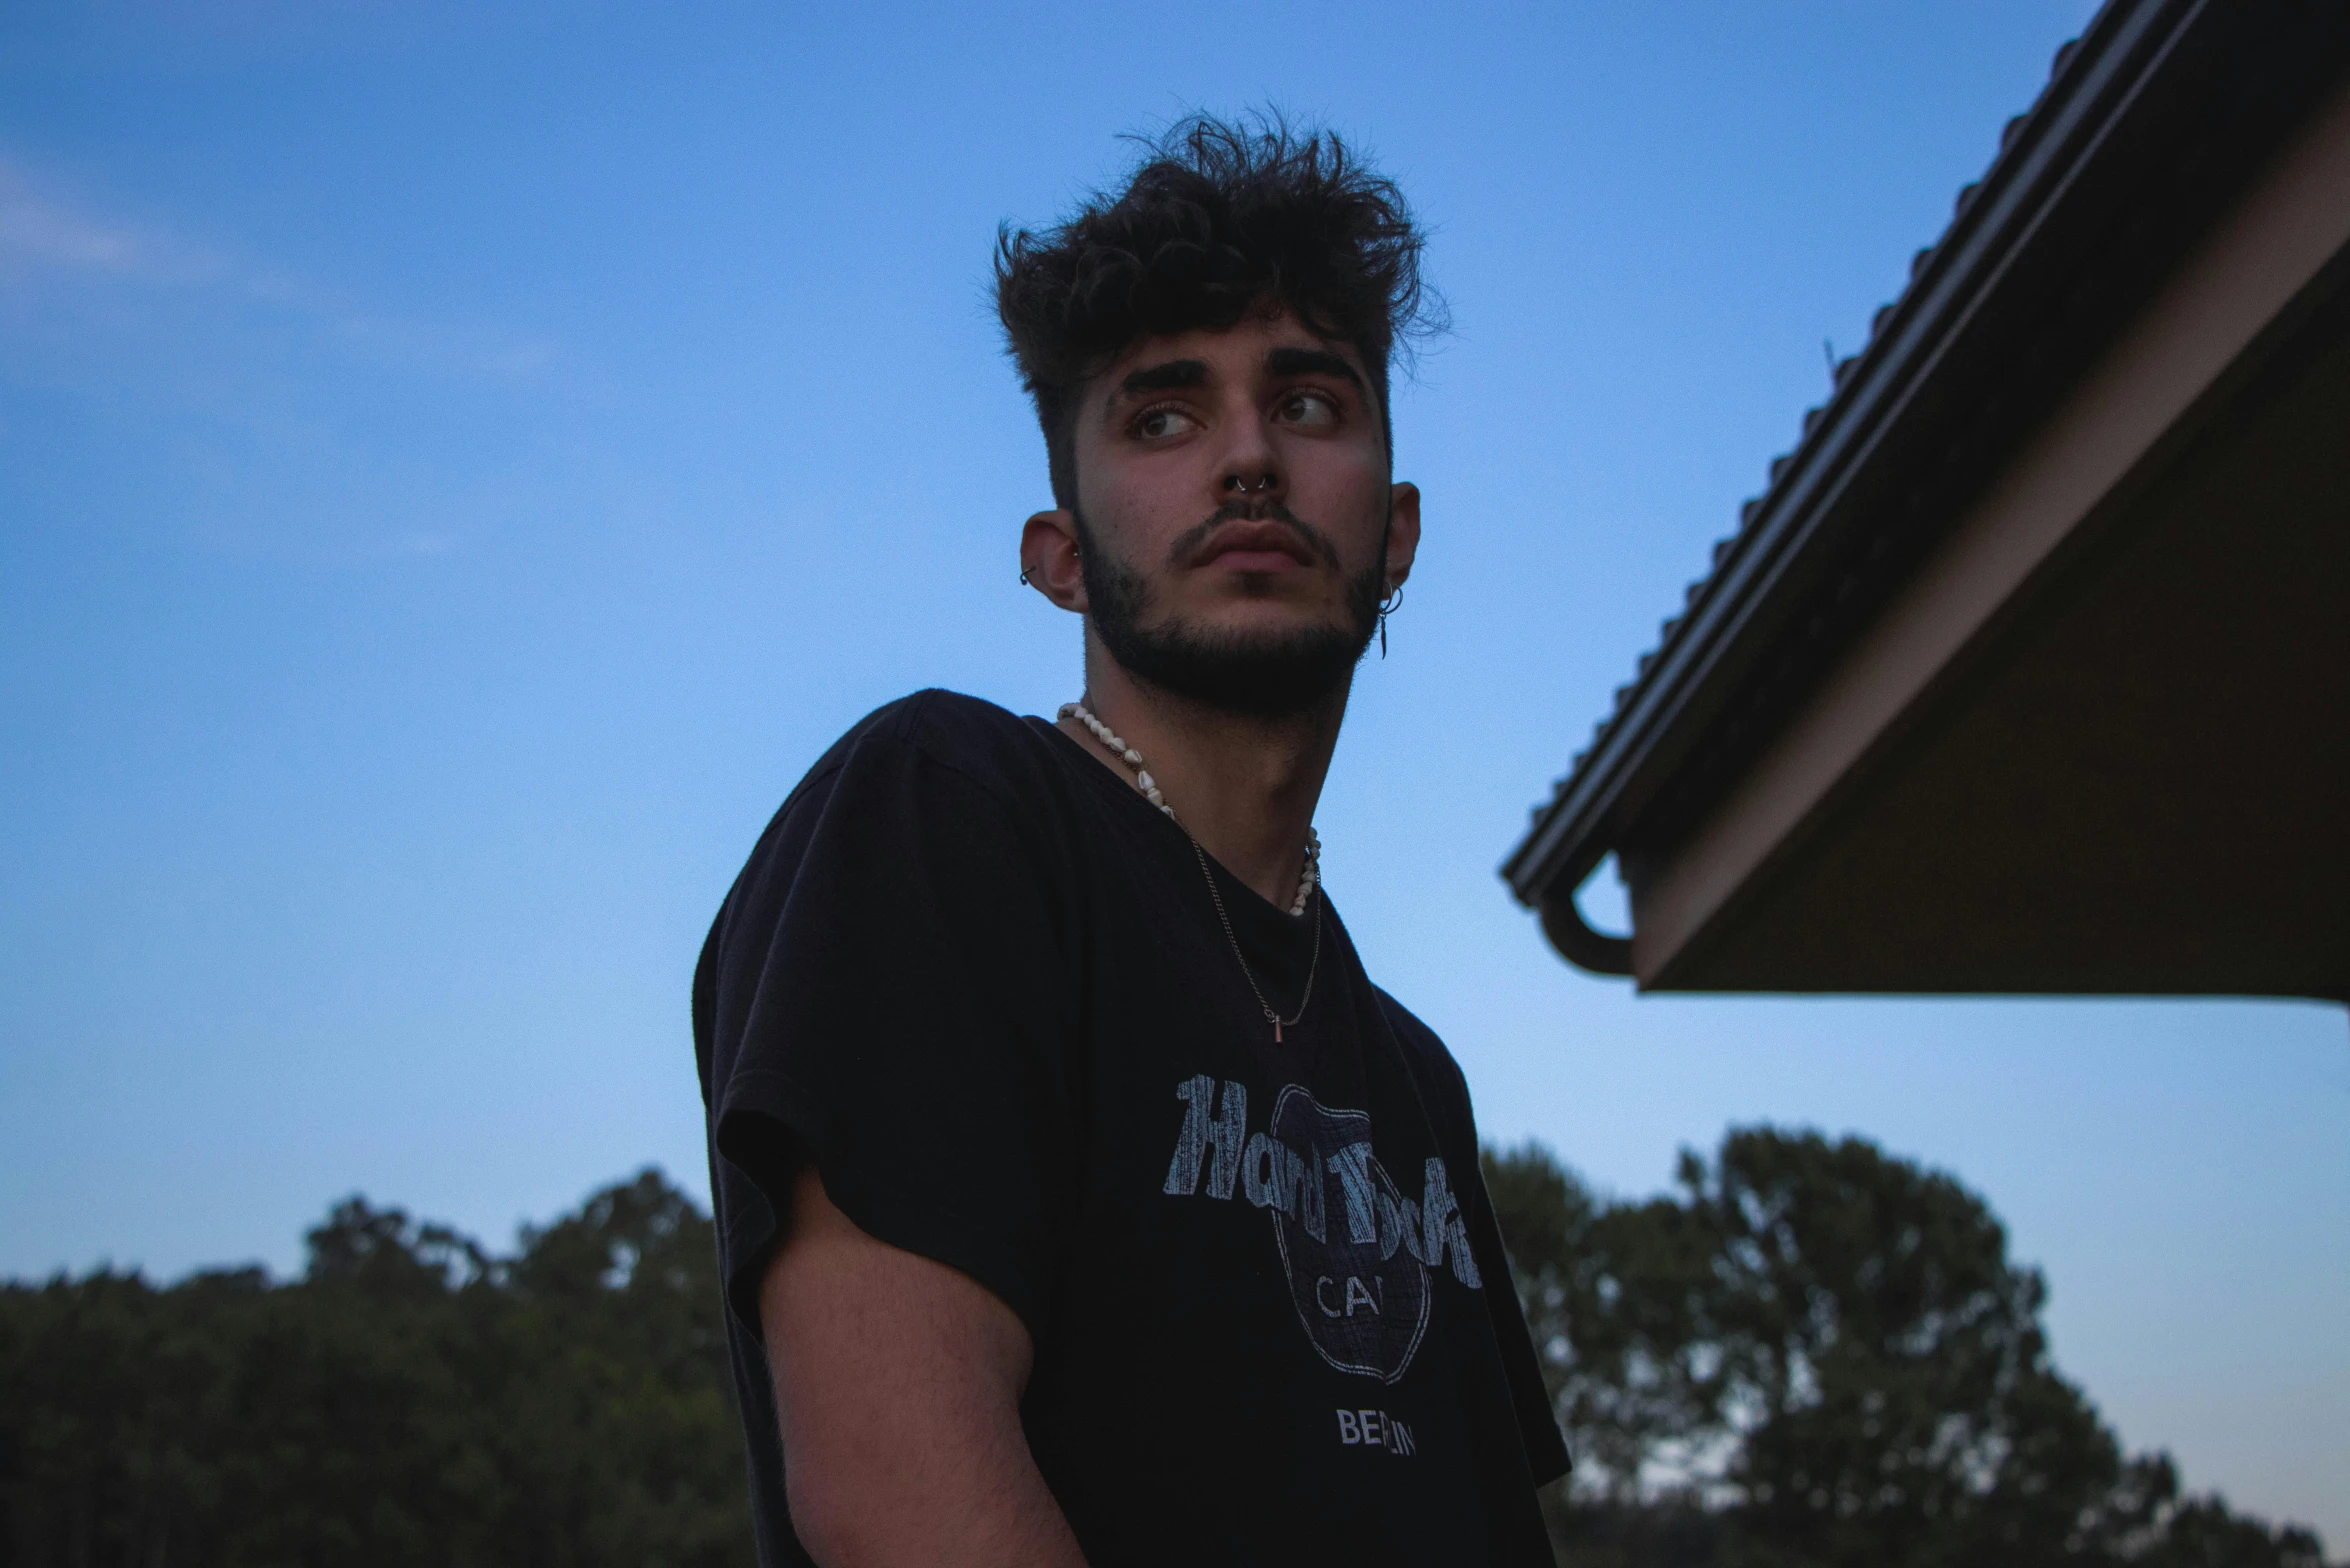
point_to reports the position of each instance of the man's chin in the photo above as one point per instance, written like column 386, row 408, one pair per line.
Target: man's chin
column 1266, row 673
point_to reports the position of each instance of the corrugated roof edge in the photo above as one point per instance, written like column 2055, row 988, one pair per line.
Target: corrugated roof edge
column 2089, row 84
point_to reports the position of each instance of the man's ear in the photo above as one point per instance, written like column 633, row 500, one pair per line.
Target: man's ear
column 1403, row 531
column 1049, row 561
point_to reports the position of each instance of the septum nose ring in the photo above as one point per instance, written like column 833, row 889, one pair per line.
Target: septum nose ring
column 1244, row 487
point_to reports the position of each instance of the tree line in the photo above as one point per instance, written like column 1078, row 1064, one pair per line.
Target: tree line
column 1811, row 1353
column 1815, row 1354
column 411, row 1399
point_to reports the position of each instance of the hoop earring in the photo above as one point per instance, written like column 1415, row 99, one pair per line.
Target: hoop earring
column 1388, row 606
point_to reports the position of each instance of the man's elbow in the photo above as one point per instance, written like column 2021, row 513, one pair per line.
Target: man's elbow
column 844, row 1520
column 833, row 1527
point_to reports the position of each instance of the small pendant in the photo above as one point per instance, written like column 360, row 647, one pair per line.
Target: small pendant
column 1276, row 1031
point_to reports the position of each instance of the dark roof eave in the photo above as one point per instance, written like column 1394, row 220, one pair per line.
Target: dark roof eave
column 2096, row 85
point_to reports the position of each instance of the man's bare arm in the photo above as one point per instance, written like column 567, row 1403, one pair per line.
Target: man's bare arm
column 898, row 1380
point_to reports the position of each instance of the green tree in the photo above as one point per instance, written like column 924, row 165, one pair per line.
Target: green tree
column 411, row 1399
column 2202, row 1533
column 1815, row 1354
column 1884, row 1368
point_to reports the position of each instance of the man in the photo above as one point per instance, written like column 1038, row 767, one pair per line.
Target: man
column 1081, row 1200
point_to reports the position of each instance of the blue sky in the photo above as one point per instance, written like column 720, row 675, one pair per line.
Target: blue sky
column 458, row 465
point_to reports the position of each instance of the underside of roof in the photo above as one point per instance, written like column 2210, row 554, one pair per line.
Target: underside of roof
column 2176, row 651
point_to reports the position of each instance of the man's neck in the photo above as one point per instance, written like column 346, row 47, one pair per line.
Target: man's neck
column 1245, row 787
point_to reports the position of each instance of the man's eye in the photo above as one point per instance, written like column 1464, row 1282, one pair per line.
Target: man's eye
column 1156, row 424
column 1312, row 409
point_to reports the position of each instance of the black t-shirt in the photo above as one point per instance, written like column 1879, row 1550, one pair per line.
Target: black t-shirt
column 980, row 982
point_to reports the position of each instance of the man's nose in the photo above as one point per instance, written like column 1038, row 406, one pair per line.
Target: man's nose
column 1251, row 470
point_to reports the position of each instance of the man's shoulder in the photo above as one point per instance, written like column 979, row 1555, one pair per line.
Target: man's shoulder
column 935, row 765
column 1416, row 1035
column 966, row 731
column 928, row 753
column 988, row 744
column 1423, row 1049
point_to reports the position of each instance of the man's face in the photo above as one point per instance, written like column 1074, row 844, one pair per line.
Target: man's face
column 1234, row 513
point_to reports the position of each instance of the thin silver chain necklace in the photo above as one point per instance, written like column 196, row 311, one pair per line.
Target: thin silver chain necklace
column 1308, row 882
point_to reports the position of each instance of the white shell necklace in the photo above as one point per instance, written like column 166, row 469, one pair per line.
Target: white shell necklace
column 1309, row 877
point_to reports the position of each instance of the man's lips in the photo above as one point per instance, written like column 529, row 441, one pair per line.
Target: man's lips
column 1255, row 546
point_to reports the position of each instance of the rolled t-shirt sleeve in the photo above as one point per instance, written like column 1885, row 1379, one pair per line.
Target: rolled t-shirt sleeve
column 888, row 998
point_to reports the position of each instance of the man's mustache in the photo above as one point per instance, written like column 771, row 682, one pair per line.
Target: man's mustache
column 1188, row 543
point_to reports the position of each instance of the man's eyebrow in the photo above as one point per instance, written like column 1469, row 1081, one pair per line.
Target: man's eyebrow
column 1310, row 361
column 1158, row 378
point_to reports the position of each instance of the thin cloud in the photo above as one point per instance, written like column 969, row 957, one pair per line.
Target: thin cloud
column 46, row 243
column 34, row 232
column 271, row 380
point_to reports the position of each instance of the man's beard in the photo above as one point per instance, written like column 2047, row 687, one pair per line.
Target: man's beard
column 1272, row 676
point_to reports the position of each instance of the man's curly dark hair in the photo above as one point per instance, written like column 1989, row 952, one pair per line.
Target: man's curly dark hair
column 1217, row 221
